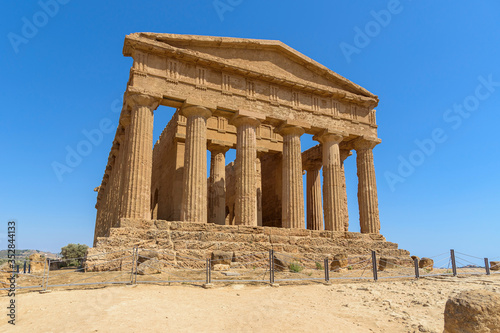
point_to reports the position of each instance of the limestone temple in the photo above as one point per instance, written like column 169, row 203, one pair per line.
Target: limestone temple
column 258, row 97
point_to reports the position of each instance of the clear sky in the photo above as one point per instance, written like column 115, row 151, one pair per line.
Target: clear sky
column 434, row 65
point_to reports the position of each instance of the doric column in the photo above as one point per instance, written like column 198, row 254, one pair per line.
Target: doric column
column 139, row 158
column 246, row 153
column 367, row 186
column 314, row 204
column 344, row 153
column 258, row 183
column 332, row 181
column 292, row 209
column 217, row 185
column 194, row 198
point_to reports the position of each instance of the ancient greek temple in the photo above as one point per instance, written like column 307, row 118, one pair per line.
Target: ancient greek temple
column 258, row 97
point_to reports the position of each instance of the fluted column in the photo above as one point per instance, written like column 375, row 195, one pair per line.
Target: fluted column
column 344, row 153
column 258, row 183
column 332, row 181
column 367, row 186
column 217, row 185
column 314, row 204
column 139, row 158
column 194, row 198
column 246, row 153
column 292, row 209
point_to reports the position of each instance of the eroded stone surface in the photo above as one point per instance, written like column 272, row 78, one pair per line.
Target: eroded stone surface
column 475, row 311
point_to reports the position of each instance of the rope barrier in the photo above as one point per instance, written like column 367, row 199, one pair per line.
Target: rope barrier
column 439, row 255
column 98, row 274
column 468, row 255
column 88, row 267
column 168, row 273
column 304, row 270
column 472, row 263
column 181, row 267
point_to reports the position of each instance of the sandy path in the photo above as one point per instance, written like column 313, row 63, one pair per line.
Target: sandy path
column 384, row 306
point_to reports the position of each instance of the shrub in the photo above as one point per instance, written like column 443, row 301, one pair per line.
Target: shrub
column 319, row 266
column 295, row 267
column 71, row 252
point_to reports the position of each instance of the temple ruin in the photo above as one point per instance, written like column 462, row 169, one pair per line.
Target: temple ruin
column 258, row 97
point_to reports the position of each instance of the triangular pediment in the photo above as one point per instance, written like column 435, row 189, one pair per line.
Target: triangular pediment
column 268, row 58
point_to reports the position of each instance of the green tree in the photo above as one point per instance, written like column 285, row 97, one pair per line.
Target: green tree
column 73, row 251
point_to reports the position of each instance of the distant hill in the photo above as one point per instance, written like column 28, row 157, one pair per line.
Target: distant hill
column 472, row 266
column 21, row 254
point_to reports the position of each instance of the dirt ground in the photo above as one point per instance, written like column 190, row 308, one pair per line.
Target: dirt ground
column 346, row 306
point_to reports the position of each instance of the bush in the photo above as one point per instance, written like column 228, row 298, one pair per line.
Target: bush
column 71, row 252
column 295, row 267
column 319, row 266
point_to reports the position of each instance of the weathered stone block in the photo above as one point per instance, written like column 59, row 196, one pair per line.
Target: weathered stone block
column 221, row 257
column 495, row 265
column 202, row 246
column 162, row 225
column 260, row 238
column 279, row 239
column 185, row 236
column 385, row 263
column 475, row 311
column 426, row 263
column 209, row 236
column 221, row 267
column 150, row 266
column 250, row 230
column 300, row 232
column 276, row 231
column 339, row 261
column 281, row 263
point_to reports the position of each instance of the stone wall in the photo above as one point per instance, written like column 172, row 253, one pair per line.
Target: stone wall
column 179, row 240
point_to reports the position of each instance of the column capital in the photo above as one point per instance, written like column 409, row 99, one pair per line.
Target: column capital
column 296, row 127
column 363, row 143
column 137, row 100
column 196, row 110
column 216, row 147
column 329, row 136
column 246, row 118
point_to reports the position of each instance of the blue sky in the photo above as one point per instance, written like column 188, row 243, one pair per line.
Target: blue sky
column 434, row 66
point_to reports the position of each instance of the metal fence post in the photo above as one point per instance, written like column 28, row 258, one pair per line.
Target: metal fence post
column 415, row 263
column 135, row 263
column 208, row 272
column 271, row 266
column 453, row 262
column 327, row 271
column 374, row 265
column 132, row 266
column 48, row 273
column 43, row 278
column 487, row 266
